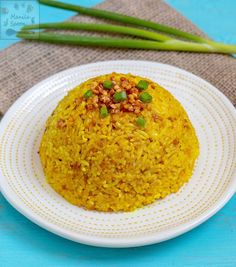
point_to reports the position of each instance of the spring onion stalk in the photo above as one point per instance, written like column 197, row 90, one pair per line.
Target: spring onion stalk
column 169, row 45
column 224, row 48
column 124, row 19
column 99, row 27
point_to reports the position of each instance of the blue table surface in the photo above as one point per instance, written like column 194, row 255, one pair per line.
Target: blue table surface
column 23, row 243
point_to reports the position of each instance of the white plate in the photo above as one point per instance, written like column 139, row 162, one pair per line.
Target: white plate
column 211, row 186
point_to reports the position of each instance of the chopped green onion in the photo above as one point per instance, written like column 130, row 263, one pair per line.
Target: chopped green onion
column 141, row 122
column 107, row 84
column 88, row 94
column 142, row 85
column 145, row 97
column 120, row 96
column 104, row 112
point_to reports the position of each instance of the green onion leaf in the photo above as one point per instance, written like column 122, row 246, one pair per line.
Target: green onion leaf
column 103, row 112
column 68, row 25
column 120, row 96
column 141, row 122
column 105, row 14
column 145, row 97
column 166, row 43
column 142, row 85
column 174, row 45
column 88, row 94
column 108, row 84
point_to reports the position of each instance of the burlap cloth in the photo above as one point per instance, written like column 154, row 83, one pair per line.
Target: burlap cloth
column 26, row 63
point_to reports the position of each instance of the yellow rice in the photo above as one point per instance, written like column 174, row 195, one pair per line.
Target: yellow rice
column 121, row 166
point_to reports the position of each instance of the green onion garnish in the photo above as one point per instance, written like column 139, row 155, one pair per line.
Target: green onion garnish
column 145, row 97
column 142, row 85
column 103, row 112
column 88, row 94
column 120, row 96
column 107, row 84
column 141, row 122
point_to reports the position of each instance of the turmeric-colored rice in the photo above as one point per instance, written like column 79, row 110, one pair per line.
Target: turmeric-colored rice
column 112, row 163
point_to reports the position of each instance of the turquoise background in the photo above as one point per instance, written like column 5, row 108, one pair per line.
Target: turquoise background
column 213, row 244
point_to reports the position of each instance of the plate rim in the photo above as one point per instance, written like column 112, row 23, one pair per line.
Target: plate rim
column 113, row 242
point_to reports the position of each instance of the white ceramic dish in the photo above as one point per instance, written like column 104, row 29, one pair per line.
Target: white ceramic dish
column 211, row 186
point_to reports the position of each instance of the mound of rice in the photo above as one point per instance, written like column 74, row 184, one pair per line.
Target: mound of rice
column 112, row 163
